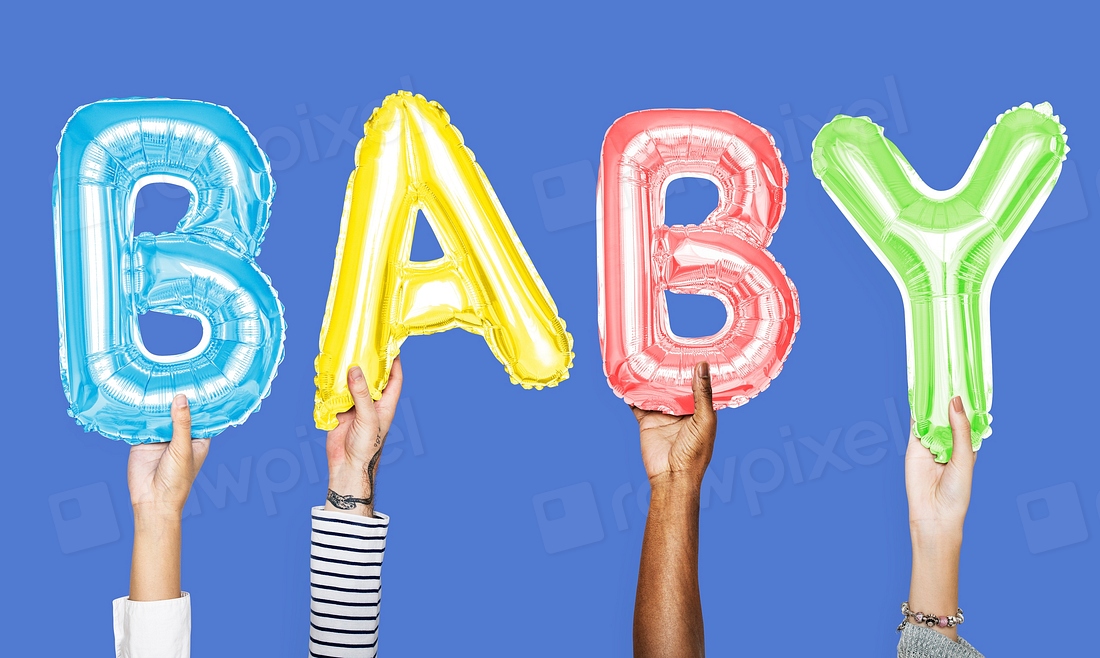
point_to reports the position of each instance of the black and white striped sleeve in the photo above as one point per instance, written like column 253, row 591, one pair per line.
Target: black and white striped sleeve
column 345, row 571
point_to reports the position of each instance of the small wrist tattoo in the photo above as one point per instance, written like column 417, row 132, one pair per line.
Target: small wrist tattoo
column 340, row 501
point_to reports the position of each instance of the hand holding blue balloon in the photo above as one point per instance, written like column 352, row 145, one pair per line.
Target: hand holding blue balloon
column 206, row 269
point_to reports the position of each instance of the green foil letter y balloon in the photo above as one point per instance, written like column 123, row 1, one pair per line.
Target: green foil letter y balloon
column 944, row 248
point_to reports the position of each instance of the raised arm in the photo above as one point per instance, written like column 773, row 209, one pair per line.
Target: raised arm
column 155, row 620
column 939, row 495
column 668, row 614
column 349, row 537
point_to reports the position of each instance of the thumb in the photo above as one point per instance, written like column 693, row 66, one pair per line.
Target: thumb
column 701, row 391
column 704, row 420
column 703, row 426
column 180, row 446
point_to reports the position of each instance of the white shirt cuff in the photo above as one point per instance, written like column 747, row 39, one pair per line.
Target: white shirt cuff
column 153, row 629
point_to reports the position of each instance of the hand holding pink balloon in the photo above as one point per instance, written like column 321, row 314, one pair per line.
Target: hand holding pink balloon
column 724, row 257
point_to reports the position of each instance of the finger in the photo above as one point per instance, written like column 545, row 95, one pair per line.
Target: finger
column 962, row 450
column 360, row 394
column 914, row 440
column 180, row 447
column 387, row 406
column 701, row 391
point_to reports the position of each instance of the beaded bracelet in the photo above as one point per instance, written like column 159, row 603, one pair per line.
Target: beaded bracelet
column 930, row 620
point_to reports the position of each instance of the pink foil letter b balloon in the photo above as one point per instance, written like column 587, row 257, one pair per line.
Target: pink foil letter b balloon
column 724, row 257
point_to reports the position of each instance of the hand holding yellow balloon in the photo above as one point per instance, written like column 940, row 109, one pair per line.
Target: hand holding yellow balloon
column 411, row 158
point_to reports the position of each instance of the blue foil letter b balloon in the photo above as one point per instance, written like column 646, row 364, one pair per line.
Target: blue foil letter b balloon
column 205, row 269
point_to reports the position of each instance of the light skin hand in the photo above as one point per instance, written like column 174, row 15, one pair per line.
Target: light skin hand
column 355, row 446
column 939, row 495
column 668, row 613
column 160, row 476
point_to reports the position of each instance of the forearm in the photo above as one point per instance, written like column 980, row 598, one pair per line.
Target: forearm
column 668, row 614
column 155, row 566
column 934, row 586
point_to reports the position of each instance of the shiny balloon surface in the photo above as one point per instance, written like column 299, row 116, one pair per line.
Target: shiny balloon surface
column 944, row 248
column 412, row 159
column 107, row 277
column 725, row 257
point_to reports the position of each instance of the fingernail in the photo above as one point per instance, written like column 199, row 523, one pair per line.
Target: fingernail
column 357, row 373
column 957, row 404
column 180, row 401
column 704, row 369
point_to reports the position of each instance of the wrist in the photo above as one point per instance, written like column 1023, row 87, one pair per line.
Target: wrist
column 350, row 491
column 675, row 486
column 936, row 537
column 157, row 515
column 347, row 504
column 934, row 584
column 349, row 482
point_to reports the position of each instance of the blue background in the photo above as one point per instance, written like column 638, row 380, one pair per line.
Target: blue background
column 516, row 526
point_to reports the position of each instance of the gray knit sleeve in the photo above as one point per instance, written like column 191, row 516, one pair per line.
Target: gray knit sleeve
column 923, row 642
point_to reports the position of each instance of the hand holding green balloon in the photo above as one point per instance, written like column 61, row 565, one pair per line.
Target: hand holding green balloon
column 944, row 248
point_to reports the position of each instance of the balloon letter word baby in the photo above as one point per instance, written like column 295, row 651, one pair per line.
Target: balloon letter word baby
column 944, row 249
column 724, row 257
column 411, row 158
column 107, row 277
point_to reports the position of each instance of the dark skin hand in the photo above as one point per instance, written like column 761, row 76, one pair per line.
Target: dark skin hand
column 668, row 613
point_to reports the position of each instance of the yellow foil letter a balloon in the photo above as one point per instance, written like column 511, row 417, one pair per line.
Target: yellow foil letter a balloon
column 411, row 158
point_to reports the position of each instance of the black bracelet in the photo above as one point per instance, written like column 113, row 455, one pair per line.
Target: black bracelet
column 340, row 501
column 930, row 620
